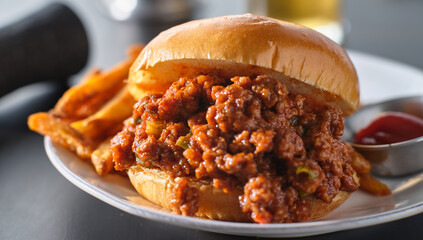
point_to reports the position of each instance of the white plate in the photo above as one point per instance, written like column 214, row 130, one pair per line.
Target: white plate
column 380, row 79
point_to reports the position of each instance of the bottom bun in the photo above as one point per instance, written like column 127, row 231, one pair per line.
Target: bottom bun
column 157, row 186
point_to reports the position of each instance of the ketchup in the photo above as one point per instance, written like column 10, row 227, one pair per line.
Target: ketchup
column 391, row 127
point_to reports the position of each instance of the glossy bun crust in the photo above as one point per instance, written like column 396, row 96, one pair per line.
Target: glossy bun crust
column 306, row 61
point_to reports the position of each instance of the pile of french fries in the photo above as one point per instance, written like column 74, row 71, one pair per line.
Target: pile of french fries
column 90, row 113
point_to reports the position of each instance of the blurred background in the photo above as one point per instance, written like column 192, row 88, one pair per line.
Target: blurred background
column 380, row 27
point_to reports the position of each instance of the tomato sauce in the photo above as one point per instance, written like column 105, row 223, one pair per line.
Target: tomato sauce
column 391, row 127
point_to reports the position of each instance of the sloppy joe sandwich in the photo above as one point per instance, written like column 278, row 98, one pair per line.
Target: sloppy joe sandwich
column 240, row 118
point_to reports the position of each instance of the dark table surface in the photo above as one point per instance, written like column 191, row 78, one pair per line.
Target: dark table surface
column 37, row 202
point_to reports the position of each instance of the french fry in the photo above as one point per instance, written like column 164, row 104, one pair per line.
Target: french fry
column 61, row 133
column 94, row 91
column 373, row 186
column 102, row 159
column 109, row 119
column 91, row 74
column 134, row 50
column 360, row 164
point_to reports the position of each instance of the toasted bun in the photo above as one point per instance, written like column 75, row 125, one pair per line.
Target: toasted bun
column 157, row 186
column 307, row 62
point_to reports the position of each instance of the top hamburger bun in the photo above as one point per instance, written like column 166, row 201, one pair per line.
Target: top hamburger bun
column 307, row 62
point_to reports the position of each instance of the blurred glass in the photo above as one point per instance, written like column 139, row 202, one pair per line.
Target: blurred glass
column 322, row 15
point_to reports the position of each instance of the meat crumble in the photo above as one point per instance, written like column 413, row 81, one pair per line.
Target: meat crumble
column 243, row 131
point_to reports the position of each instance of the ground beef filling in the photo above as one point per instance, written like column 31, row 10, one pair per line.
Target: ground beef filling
column 244, row 131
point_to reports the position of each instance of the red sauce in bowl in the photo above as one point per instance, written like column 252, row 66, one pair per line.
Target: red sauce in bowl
column 391, row 127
